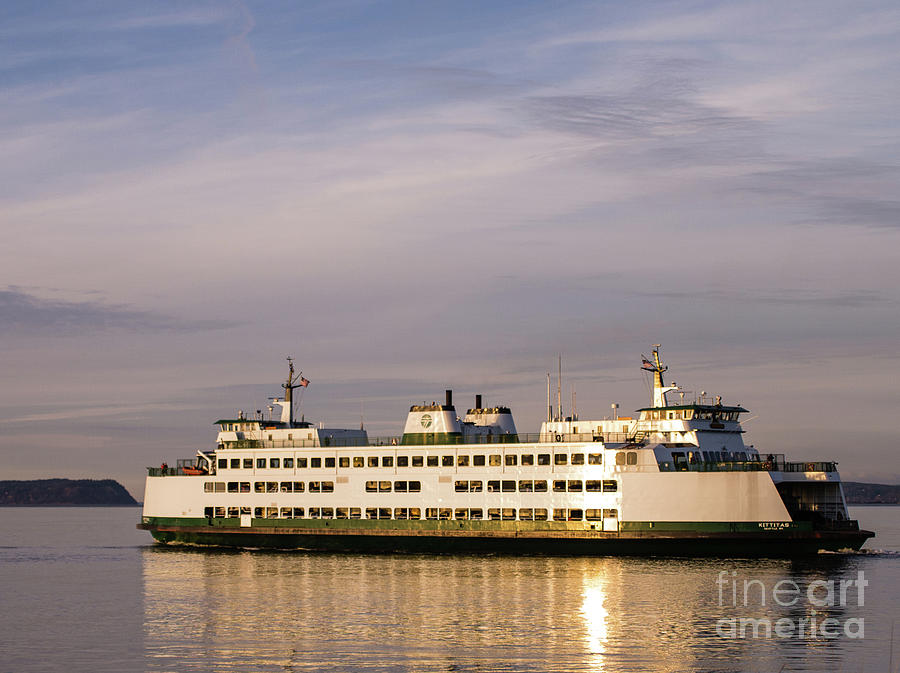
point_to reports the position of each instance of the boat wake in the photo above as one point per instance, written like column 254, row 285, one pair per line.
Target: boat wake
column 891, row 553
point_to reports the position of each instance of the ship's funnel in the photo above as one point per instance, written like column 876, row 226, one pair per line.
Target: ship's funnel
column 432, row 424
column 478, row 401
column 449, row 402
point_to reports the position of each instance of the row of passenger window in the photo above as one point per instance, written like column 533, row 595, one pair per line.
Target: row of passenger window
column 268, row 487
column 414, row 513
column 399, row 486
column 462, row 460
column 493, row 486
column 538, row 486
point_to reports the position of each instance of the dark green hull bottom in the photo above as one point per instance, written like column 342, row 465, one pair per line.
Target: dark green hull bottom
column 569, row 543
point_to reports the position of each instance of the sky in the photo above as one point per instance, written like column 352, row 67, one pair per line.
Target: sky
column 407, row 197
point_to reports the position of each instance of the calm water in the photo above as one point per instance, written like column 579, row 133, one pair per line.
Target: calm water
column 82, row 590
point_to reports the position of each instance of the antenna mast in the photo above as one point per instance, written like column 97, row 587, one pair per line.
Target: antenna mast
column 559, row 411
column 549, row 403
column 293, row 381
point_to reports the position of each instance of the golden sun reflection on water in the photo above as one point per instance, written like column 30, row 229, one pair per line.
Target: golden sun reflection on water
column 261, row 611
column 596, row 617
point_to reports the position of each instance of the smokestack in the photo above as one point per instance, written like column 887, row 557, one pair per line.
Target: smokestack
column 449, row 398
column 478, row 401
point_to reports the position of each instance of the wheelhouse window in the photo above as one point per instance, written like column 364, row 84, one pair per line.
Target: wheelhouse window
column 462, row 460
column 511, row 459
column 478, row 461
column 560, row 458
column 344, row 461
column 494, row 460
column 260, row 463
column 387, row 461
column 610, row 486
column 595, row 459
column 274, row 462
column 433, row 461
column 235, row 463
column 446, row 461
column 329, row 461
column 315, row 462
column 577, row 459
column 248, row 464
column 301, row 462
column 359, row 461
column 543, row 459
column 289, row 463
column 528, row 459
column 402, row 461
column 417, row 461
column 223, row 463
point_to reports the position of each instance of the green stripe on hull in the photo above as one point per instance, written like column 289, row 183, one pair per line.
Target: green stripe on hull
column 513, row 537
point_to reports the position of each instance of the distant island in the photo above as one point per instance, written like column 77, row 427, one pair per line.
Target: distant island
column 859, row 493
column 54, row 492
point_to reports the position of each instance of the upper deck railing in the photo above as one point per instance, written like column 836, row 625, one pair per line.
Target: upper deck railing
column 770, row 463
column 397, row 440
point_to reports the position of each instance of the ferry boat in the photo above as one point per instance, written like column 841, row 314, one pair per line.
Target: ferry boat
column 676, row 479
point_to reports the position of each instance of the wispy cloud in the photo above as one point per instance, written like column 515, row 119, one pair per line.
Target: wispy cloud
column 861, row 298
column 25, row 313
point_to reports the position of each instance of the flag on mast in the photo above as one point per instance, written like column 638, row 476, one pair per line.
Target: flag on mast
column 304, row 382
column 647, row 365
